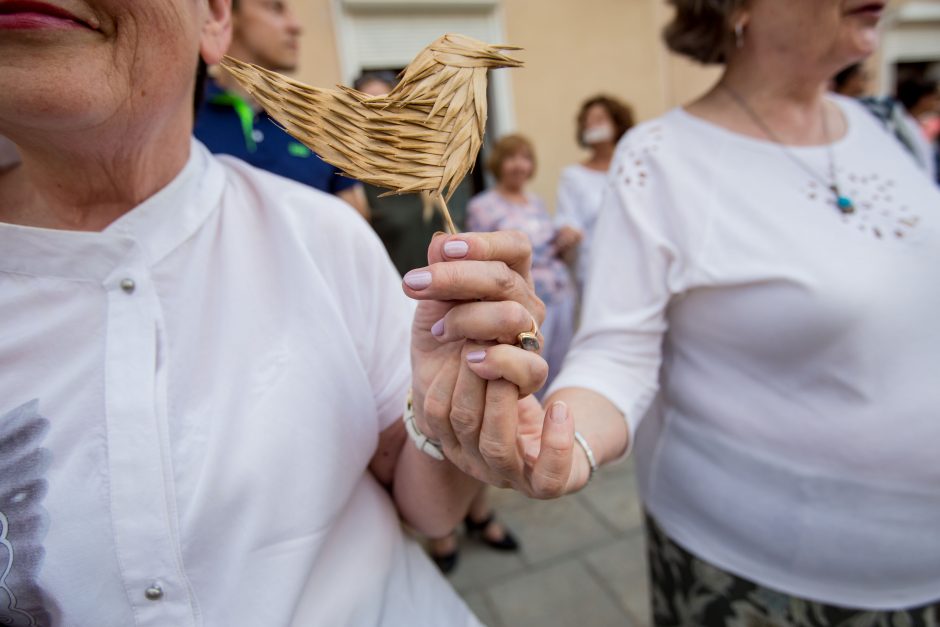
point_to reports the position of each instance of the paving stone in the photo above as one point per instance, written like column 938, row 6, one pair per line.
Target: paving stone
column 614, row 497
column 502, row 500
column 480, row 605
column 623, row 468
column 561, row 595
column 582, row 565
column 621, row 567
column 479, row 566
column 549, row 529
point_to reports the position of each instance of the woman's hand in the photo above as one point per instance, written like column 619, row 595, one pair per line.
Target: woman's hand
column 567, row 238
column 472, row 384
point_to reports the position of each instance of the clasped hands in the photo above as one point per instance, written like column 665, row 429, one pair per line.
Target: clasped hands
column 472, row 386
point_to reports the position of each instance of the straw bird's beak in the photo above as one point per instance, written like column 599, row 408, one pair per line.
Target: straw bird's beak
column 501, row 60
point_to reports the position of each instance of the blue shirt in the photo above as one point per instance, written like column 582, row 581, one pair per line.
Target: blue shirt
column 228, row 125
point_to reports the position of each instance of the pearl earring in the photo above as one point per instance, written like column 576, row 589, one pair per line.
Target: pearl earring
column 739, row 35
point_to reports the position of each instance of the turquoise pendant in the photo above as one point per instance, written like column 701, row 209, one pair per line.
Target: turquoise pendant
column 845, row 204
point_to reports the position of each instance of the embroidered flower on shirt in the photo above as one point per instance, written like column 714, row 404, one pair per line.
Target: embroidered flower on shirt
column 878, row 210
column 23, row 521
column 633, row 170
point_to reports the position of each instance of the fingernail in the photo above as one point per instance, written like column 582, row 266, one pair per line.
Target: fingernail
column 418, row 279
column 438, row 329
column 456, row 248
column 532, row 452
column 476, row 357
column 559, row 412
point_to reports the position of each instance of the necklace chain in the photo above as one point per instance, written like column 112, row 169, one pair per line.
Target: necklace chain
column 843, row 203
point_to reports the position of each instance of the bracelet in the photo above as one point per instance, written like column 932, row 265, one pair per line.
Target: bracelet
column 592, row 461
column 424, row 444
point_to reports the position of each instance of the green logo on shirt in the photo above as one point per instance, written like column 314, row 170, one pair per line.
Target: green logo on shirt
column 298, row 150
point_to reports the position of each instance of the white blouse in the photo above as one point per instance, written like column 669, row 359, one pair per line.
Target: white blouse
column 188, row 404
column 793, row 354
column 580, row 192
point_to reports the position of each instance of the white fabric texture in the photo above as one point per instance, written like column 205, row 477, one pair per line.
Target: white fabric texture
column 580, row 192
column 214, row 369
column 793, row 354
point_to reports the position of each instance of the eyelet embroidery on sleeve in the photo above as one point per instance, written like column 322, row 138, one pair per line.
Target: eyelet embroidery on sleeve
column 878, row 211
column 633, row 170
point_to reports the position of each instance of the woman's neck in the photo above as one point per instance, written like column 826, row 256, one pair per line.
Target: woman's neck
column 601, row 156
column 84, row 185
column 789, row 102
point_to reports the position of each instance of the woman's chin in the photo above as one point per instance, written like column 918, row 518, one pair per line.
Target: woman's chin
column 865, row 42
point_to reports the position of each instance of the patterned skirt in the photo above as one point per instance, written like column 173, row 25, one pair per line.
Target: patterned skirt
column 689, row 592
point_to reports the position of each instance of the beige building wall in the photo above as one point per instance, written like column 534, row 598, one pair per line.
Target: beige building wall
column 319, row 50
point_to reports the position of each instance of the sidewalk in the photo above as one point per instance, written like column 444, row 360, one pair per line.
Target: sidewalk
column 582, row 562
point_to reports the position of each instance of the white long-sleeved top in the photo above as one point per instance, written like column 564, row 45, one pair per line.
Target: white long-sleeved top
column 793, row 354
column 189, row 401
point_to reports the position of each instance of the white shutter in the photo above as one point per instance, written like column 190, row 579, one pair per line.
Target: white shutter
column 392, row 39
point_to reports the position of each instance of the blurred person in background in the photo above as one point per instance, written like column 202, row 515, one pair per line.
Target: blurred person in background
column 601, row 122
column 759, row 329
column 921, row 102
column 406, row 223
column 266, row 33
column 854, row 82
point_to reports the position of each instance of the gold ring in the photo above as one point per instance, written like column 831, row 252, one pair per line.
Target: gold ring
column 529, row 340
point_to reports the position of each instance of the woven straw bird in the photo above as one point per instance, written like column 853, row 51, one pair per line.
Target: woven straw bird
column 423, row 136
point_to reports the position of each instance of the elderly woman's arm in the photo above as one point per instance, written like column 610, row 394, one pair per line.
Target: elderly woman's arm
column 431, row 496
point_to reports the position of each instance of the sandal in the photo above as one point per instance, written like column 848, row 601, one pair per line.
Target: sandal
column 477, row 530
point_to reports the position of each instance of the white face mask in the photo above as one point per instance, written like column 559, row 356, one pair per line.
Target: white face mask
column 598, row 134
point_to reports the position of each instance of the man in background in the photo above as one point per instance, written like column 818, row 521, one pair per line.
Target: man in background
column 265, row 33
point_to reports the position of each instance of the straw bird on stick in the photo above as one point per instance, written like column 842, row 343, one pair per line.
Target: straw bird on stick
column 424, row 135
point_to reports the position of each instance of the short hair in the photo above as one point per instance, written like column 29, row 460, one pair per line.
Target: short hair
column 506, row 147
column 620, row 113
column 701, row 29
column 912, row 90
column 380, row 76
column 235, row 5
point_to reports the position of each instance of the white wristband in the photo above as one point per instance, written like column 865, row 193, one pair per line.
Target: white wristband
column 424, row 444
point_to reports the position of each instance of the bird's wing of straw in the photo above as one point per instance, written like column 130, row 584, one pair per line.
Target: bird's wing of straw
column 423, row 136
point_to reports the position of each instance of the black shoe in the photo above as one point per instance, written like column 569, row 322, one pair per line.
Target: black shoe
column 477, row 530
column 446, row 562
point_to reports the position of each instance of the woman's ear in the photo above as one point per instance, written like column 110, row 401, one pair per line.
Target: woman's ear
column 216, row 31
